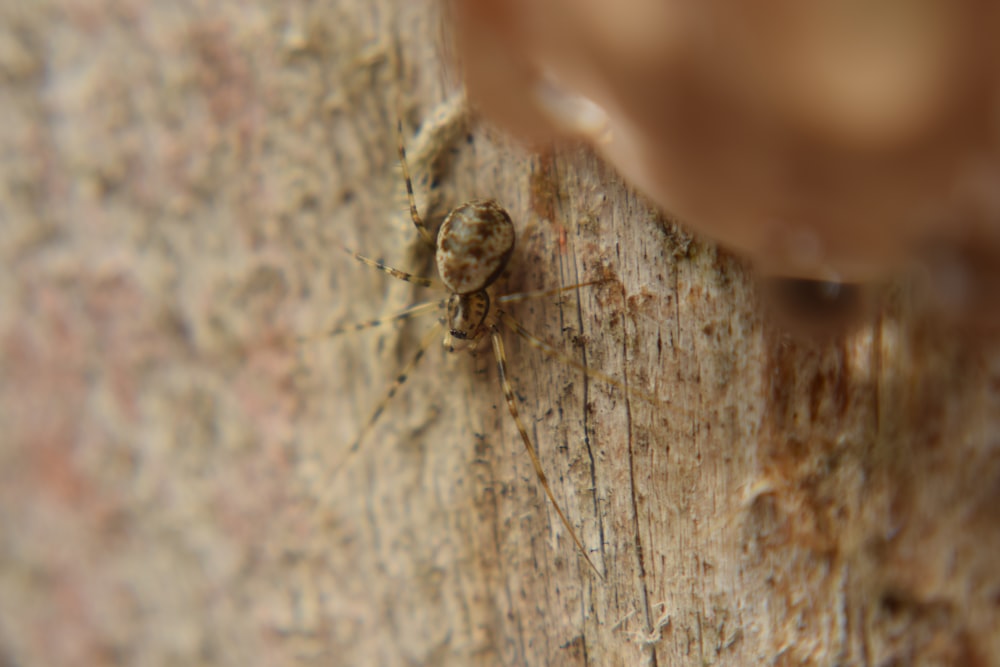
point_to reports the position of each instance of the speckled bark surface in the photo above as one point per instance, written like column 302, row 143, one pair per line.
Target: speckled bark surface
column 175, row 185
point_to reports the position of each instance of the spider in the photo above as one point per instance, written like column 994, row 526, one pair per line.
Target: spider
column 473, row 246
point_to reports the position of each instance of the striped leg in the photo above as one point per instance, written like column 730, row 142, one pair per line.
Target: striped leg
column 417, row 221
column 412, row 311
column 395, row 273
column 508, row 394
column 401, row 378
column 538, row 294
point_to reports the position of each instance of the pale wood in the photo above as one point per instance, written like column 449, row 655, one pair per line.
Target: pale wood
column 178, row 182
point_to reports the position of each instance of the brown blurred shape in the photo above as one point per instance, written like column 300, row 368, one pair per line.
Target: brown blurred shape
column 828, row 141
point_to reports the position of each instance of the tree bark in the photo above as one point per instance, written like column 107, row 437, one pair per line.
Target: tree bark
column 179, row 184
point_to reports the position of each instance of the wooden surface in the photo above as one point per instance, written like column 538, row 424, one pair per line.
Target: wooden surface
column 177, row 183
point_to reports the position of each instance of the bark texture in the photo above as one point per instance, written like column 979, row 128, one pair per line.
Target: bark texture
column 178, row 180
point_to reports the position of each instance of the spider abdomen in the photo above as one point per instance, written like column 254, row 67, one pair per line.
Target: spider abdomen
column 473, row 246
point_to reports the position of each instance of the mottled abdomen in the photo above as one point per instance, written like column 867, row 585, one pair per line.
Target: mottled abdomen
column 473, row 246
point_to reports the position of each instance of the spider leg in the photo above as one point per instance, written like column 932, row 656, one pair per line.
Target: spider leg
column 508, row 394
column 551, row 351
column 401, row 378
column 417, row 221
column 412, row 311
column 538, row 294
column 395, row 273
